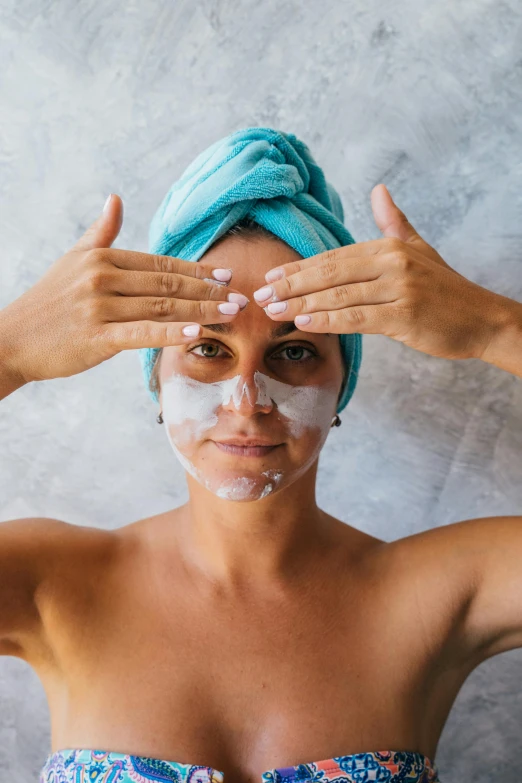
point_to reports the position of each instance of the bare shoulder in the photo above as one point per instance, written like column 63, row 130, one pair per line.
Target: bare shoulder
column 466, row 576
column 37, row 558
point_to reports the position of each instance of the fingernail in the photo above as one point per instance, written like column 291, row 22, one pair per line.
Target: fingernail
column 228, row 308
column 263, row 293
column 301, row 320
column 224, row 275
column 274, row 274
column 277, row 307
column 239, row 299
column 192, row 330
column 108, row 201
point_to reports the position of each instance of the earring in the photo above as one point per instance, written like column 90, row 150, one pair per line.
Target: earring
column 159, row 418
column 336, row 421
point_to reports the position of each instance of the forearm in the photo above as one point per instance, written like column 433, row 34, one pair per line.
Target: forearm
column 504, row 348
column 10, row 378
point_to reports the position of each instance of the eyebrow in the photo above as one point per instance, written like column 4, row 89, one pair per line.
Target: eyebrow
column 279, row 331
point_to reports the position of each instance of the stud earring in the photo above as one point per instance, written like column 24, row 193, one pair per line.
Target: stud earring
column 159, row 418
column 336, row 421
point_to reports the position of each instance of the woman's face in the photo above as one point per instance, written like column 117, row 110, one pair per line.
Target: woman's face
column 248, row 405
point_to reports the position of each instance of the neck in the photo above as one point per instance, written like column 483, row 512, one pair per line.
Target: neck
column 238, row 543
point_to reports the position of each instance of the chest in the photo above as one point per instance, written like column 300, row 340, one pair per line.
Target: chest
column 178, row 670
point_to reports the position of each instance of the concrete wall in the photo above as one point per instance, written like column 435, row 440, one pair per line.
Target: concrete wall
column 425, row 97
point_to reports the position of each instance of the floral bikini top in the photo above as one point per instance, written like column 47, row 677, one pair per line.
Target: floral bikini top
column 76, row 765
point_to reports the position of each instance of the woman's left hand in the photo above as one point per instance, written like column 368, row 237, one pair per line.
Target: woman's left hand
column 398, row 286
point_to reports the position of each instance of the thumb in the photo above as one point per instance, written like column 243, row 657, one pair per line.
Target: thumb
column 105, row 228
column 389, row 218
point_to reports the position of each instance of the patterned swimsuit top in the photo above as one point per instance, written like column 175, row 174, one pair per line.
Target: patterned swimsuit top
column 77, row 765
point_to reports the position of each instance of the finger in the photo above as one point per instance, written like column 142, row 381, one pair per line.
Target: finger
column 150, row 262
column 146, row 334
column 161, row 308
column 322, row 276
column 367, row 319
column 134, row 283
column 389, row 218
column 355, row 294
column 104, row 230
column 345, row 252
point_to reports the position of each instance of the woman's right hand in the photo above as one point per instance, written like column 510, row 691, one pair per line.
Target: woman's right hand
column 96, row 301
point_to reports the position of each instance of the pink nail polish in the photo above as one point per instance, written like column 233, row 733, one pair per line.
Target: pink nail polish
column 192, row 330
column 239, row 299
column 263, row 293
column 223, row 275
column 277, row 307
column 228, row 308
column 274, row 274
column 302, row 320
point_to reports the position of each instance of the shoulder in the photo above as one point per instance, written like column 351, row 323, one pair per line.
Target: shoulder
column 35, row 553
column 467, row 576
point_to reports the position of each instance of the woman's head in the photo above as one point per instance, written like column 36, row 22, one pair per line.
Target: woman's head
column 252, row 380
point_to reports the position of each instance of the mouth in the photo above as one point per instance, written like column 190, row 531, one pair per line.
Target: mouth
column 246, row 448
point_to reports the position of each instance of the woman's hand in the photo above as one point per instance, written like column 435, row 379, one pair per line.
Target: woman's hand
column 95, row 301
column 398, row 286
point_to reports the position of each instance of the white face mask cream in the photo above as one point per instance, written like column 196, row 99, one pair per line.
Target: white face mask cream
column 192, row 411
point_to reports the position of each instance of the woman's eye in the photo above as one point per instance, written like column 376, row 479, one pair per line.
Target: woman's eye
column 296, row 353
column 208, row 350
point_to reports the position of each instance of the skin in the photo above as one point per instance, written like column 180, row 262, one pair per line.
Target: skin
column 248, row 349
column 247, row 635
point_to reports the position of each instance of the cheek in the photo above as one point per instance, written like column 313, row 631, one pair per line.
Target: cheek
column 189, row 408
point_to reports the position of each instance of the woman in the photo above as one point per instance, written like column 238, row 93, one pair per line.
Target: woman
column 248, row 634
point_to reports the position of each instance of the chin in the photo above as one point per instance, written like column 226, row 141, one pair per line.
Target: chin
column 246, row 488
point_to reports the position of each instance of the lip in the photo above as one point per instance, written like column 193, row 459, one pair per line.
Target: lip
column 246, row 448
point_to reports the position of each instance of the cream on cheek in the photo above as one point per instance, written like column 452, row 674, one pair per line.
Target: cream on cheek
column 191, row 410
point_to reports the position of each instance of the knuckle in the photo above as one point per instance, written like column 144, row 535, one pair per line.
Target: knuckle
column 339, row 294
column 138, row 333
column 286, row 287
column 95, row 278
column 169, row 283
column 162, row 263
column 97, row 256
column 326, row 270
column 162, row 306
column 403, row 261
column 355, row 315
column 330, row 256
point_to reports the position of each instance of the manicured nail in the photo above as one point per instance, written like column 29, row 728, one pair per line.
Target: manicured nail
column 192, row 330
column 239, row 299
column 228, row 308
column 277, row 307
column 223, row 275
column 274, row 274
column 108, row 201
column 263, row 293
column 302, row 320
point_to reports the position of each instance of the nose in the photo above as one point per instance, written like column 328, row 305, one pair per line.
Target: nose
column 248, row 396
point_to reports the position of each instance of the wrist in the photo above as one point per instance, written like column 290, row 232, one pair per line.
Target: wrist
column 11, row 378
column 503, row 345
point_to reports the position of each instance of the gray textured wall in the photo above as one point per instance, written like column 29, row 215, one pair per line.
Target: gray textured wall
column 425, row 97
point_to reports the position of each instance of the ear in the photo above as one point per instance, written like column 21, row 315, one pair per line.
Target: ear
column 389, row 218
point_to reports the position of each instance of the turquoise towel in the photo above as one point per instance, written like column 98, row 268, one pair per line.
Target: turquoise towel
column 271, row 177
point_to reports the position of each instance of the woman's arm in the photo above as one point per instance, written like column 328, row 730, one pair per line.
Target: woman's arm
column 505, row 347
column 10, row 378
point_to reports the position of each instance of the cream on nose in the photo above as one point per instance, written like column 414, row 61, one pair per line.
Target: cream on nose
column 250, row 395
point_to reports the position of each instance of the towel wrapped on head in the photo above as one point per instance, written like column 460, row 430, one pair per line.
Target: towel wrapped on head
column 270, row 177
